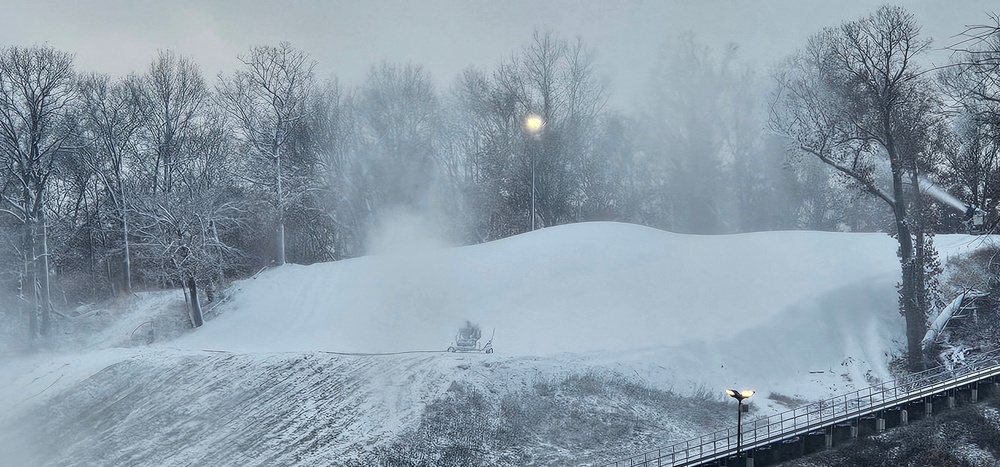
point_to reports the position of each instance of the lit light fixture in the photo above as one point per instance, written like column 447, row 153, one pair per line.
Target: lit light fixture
column 533, row 123
column 739, row 396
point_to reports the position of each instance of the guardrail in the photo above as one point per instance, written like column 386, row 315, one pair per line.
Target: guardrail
column 767, row 430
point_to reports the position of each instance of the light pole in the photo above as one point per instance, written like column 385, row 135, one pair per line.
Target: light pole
column 533, row 124
column 739, row 396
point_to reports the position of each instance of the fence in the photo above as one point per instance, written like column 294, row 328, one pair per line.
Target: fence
column 767, row 430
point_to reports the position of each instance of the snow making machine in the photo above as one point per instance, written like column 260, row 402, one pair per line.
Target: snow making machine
column 467, row 340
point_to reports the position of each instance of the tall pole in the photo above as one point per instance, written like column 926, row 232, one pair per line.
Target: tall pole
column 535, row 149
column 739, row 396
column 533, row 124
column 739, row 425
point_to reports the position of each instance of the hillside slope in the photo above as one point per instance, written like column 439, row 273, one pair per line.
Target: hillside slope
column 576, row 288
column 599, row 323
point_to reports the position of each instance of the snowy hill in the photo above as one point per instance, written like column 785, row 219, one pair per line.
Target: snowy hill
column 765, row 307
column 576, row 288
column 794, row 315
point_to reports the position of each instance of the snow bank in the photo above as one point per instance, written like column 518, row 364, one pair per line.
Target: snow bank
column 735, row 307
column 576, row 288
column 797, row 316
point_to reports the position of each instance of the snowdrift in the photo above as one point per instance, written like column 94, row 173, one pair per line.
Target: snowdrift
column 753, row 309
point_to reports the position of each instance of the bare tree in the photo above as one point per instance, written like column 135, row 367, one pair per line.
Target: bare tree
column 36, row 97
column 504, row 167
column 186, row 238
column 484, row 157
column 266, row 100
column 190, row 236
column 394, row 162
column 176, row 94
column 975, row 75
column 560, row 86
column 112, row 115
column 973, row 82
column 330, row 128
column 856, row 100
column 685, row 119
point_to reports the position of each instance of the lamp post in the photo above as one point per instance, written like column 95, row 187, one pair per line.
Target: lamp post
column 739, row 396
column 533, row 124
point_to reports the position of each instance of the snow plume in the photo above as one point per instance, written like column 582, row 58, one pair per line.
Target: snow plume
column 413, row 270
column 927, row 187
column 405, row 232
column 931, row 189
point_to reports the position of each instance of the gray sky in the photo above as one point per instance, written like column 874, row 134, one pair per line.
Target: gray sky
column 446, row 36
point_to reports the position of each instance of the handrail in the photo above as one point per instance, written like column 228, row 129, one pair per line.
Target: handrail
column 767, row 430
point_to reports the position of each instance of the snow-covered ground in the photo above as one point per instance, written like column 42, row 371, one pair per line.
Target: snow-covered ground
column 793, row 315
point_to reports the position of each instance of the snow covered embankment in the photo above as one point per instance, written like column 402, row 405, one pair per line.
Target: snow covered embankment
column 795, row 314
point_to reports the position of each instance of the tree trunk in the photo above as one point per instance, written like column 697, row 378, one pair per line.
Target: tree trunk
column 281, row 202
column 913, row 314
column 196, row 317
column 29, row 288
column 127, row 273
column 921, row 257
column 46, row 296
column 916, row 325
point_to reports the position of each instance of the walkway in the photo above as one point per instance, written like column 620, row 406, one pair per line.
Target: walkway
column 841, row 416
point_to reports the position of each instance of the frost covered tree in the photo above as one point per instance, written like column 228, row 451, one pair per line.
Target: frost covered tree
column 37, row 96
column 267, row 99
column 396, row 139
column 973, row 82
column 855, row 99
column 175, row 94
column 709, row 166
column 329, row 230
column 112, row 115
column 190, row 235
column 498, row 165
column 685, row 135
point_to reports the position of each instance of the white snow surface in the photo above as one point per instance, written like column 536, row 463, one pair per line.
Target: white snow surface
column 576, row 288
column 795, row 315
column 769, row 310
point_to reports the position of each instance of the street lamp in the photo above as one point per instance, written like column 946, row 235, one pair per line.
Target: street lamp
column 739, row 396
column 533, row 124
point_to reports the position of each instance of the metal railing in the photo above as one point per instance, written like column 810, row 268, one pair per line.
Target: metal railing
column 767, row 430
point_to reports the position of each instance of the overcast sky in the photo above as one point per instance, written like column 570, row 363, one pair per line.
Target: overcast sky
column 446, row 36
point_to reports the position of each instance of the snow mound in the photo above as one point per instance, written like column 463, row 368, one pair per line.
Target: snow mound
column 797, row 316
column 804, row 302
column 575, row 288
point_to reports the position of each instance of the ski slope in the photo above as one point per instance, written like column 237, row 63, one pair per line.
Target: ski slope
column 794, row 315
column 763, row 309
column 575, row 288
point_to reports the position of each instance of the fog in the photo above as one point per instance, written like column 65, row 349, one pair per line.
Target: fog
column 446, row 36
column 412, row 194
column 657, row 114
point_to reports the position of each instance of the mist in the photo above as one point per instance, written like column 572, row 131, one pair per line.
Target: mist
column 252, row 229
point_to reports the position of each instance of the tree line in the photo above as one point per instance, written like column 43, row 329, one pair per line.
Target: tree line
column 165, row 178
